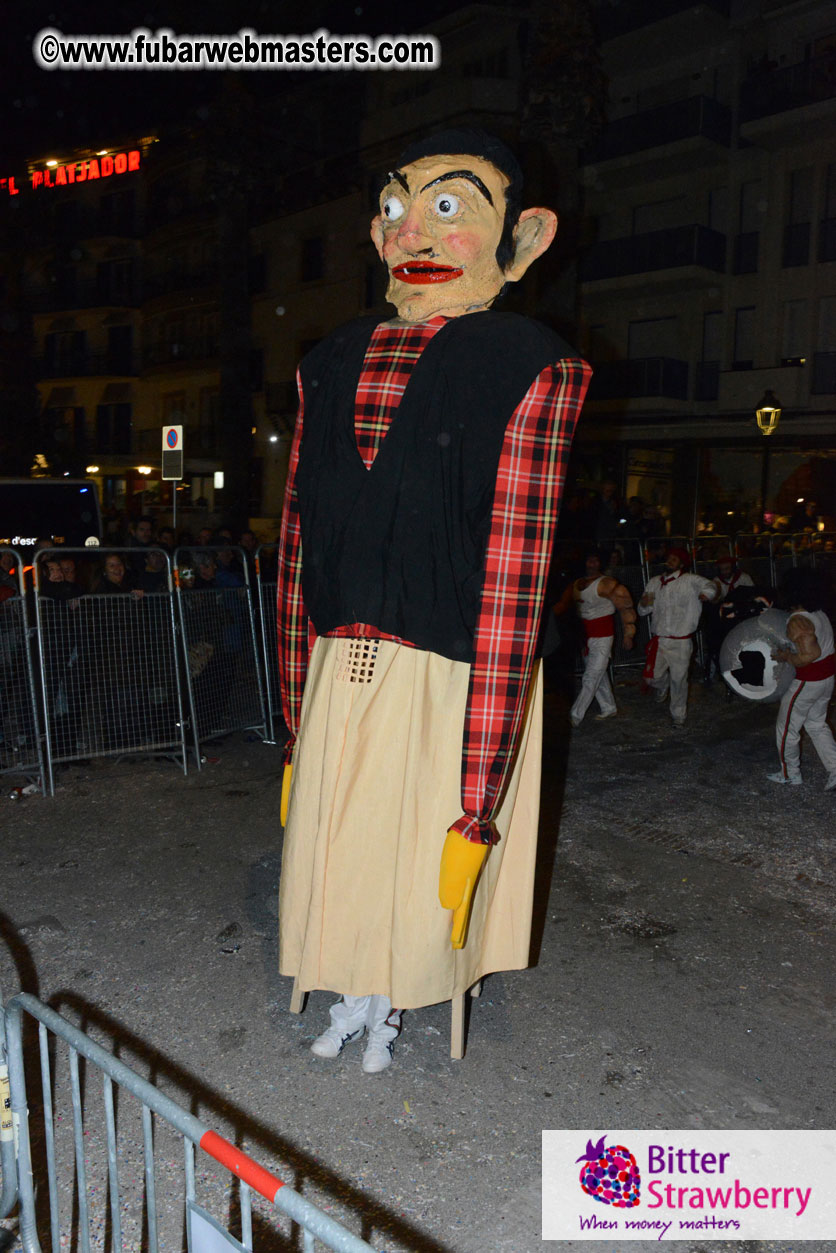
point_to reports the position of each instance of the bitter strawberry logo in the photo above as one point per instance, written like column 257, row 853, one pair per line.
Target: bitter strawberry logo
column 610, row 1174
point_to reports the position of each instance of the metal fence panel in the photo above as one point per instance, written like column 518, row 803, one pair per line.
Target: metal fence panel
column 109, row 672
column 706, row 552
column 627, row 566
column 784, row 556
column 822, row 552
column 20, row 731
column 656, row 549
column 267, row 583
column 755, row 556
column 217, row 622
column 87, row 1156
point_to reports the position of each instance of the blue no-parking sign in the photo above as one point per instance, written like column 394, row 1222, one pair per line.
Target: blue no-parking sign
column 172, row 460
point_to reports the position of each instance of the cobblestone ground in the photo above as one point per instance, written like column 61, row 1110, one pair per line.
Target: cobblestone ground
column 682, row 978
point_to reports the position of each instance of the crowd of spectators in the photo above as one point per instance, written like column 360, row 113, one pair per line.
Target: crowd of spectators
column 104, row 635
column 601, row 515
column 98, row 611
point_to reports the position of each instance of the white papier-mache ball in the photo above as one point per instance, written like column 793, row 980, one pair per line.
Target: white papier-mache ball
column 743, row 647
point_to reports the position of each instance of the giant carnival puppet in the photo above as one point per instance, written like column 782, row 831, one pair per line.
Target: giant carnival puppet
column 424, row 485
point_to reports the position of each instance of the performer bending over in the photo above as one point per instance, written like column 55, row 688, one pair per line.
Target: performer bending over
column 805, row 702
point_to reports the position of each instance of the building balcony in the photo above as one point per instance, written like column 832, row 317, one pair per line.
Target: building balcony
column 615, row 20
column 778, row 105
column 197, row 442
column 697, row 117
column 445, row 96
column 641, row 377
column 182, row 211
column 82, row 295
column 186, row 352
column 742, row 390
column 87, row 365
column 684, row 247
column 86, row 222
column 180, row 280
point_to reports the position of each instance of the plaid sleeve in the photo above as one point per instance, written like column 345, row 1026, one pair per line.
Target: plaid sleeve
column 294, row 634
column 529, row 485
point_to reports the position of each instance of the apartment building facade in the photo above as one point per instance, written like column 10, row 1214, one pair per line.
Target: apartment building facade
column 709, row 276
column 707, row 262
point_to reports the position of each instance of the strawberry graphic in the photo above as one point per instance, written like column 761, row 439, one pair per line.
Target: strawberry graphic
column 610, row 1174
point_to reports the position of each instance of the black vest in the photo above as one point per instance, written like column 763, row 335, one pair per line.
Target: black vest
column 401, row 546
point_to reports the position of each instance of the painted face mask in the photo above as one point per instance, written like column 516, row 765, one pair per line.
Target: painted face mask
column 440, row 222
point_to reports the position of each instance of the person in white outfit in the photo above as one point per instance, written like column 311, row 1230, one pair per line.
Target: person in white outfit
column 728, row 579
column 675, row 600
column 804, row 704
column 729, row 576
column 597, row 598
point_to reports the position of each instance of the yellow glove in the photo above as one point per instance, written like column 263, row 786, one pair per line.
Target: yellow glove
column 285, row 801
column 461, row 862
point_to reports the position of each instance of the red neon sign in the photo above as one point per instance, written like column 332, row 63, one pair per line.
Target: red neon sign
column 79, row 171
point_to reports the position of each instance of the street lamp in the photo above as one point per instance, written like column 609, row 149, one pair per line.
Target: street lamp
column 768, row 413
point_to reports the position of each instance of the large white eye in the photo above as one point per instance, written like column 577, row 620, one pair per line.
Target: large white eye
column 392, row 208
column 445, row 205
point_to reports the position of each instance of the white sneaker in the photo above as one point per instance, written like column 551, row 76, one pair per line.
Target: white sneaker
column 831, row 782
column 576, row 722
column 348, row 1023
column 610, row 714
column 661, row 695
column 377, row 1055
column 795, row 779
column 332, row 1042
column 384, row 1026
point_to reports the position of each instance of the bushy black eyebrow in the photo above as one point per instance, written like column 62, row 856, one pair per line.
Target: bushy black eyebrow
column 466, row 174
column 397, row 177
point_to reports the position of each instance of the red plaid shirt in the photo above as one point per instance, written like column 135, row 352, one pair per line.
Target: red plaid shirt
column 529, row 484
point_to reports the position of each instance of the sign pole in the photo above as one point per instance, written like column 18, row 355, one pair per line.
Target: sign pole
column 172, row 465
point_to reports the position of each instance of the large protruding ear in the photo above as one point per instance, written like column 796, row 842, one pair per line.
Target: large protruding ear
column 376, row 232
column 533, row 233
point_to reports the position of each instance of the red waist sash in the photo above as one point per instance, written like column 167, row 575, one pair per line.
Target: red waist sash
column 822, row 668
column 598, row 628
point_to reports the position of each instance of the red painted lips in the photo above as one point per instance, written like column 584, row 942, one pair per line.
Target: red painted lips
column 416, row 272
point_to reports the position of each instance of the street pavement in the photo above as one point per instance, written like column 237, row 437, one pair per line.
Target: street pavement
column 682, row 976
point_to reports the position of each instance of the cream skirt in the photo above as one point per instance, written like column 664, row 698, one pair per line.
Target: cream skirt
column 376, row 785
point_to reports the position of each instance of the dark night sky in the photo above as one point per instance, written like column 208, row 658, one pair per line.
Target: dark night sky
column 55, row 110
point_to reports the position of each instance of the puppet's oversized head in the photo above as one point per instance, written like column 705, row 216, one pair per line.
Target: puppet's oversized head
column 451, row 227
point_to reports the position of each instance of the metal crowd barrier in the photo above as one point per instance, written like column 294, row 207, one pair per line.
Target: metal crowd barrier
column 103, row 675
column 217, row 621
column 267, row 583
column 766, row 558
column 110, row 680
column 754, row 554
column 627, row 565
column 21, row 747
column 100, row 1162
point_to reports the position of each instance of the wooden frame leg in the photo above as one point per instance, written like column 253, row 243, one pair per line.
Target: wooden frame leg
column 297, row 998
column 457, row 1021
column 457, row 1027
